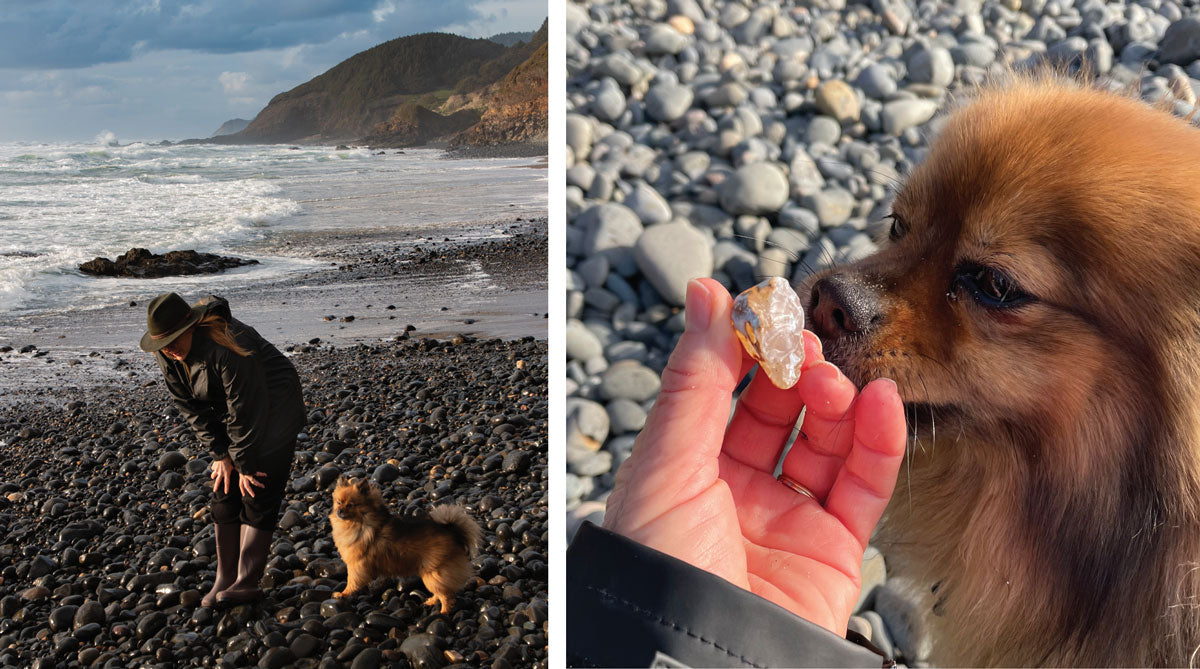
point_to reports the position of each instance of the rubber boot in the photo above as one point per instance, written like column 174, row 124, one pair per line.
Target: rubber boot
column 252, row 560
column 228, row 547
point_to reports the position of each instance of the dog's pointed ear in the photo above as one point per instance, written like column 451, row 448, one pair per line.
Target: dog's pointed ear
column 365, row 485
column 342, row 481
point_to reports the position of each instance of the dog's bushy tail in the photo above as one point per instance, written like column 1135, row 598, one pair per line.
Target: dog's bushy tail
column 462, row 522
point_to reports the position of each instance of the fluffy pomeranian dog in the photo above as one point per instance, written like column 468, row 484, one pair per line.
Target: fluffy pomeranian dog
column 375, row 544
column 1038, row 305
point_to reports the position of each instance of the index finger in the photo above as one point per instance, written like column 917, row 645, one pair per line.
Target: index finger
column 690, row 414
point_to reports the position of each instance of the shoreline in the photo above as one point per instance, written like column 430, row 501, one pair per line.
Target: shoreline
column 482, row 279
column 532, row 149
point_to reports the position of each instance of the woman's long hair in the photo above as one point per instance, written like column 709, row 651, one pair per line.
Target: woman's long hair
column 217, row 329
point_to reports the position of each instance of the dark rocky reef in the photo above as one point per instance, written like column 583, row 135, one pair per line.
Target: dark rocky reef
column 142, row 264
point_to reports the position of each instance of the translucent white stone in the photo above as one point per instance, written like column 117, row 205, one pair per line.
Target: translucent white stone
column 769, row 320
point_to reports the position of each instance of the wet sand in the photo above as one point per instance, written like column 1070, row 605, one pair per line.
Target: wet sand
column 485, row 280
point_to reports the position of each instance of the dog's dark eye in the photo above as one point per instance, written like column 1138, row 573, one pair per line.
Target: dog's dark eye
column 899, row 227
column 990, row 287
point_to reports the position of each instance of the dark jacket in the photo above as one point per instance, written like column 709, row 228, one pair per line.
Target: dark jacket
column 631, row 606
column 249, row 407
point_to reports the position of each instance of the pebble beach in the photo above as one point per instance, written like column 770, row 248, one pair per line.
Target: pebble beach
column 744, row 140
column 423, row 359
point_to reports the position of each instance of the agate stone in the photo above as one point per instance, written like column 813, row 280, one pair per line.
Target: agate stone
column 769, row 320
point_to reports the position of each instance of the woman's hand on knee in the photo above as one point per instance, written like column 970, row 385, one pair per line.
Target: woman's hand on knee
column 246, row 483
column 222, row 471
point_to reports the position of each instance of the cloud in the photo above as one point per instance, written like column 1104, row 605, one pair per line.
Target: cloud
column 68, row 34
column 233, row 82
column 385, row 8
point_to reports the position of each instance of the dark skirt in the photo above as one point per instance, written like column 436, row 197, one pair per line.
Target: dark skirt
column 261, row 510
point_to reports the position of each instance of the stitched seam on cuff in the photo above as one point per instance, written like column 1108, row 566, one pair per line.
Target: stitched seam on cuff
column 649, row 615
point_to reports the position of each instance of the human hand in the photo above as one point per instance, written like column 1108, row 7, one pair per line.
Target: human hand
column 222, row 470
column 699, row 485
column 247, row 481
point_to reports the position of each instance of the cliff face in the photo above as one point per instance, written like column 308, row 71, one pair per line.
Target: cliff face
column 413, row 125
column 518, row 110
column 347, row 101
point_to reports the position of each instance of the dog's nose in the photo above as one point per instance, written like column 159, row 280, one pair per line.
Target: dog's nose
column 843, row 304
column 341, row 514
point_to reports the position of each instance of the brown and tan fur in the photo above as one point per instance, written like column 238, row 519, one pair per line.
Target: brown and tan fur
column 1052, row 488
column 375, row 544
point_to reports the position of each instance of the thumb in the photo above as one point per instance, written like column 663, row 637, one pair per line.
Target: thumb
column 687, row 422
column 692, row 409
column 675, row 455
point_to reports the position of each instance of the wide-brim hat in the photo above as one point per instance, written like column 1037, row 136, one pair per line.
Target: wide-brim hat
column 167, row 317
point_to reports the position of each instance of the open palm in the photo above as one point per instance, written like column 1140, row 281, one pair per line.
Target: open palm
column 700, row 486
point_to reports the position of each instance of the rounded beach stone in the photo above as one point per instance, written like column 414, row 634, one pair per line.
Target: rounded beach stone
column 609, row 103
column 665, row 39
column 649, row 206
column 587, row 423
column 876, row 81
column 631, row 380
column 89, row 612
column 626, row 416
column 671, row 254
column 667, row 101
column 609, row 227
column 900, row 115
column 837, row 99
column 579, row 135
column 931, row 66
column 757, row 188
column 171, row 460
column 823, row 130
column 1181, row 43
column 833, row 206
column 593, row 270
column 592, row 464
column 581, row 343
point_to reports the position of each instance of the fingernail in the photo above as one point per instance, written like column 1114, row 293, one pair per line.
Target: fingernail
column 698, row 307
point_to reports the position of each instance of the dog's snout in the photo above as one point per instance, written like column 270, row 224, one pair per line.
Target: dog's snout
column 842, row 305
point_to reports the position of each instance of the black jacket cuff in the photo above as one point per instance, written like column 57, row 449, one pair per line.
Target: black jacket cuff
column 629, row 605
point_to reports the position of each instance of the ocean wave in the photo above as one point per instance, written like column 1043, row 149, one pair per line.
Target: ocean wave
column 214, row 199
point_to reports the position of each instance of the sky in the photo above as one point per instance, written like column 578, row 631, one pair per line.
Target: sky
column 148, row 70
